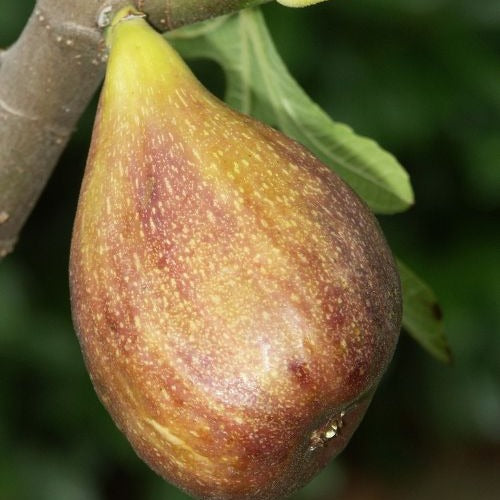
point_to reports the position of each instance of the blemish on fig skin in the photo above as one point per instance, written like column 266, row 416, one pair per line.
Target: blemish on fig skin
column 110, row 320
column 323, row 436
column 300, row 372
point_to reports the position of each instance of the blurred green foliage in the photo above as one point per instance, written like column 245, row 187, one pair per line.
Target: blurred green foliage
column 422, row 77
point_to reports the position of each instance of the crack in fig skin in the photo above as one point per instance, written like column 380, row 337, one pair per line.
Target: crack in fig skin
column 230, row 293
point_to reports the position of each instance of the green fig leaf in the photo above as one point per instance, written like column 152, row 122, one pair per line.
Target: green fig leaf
column 422, row 317
column 258, row 83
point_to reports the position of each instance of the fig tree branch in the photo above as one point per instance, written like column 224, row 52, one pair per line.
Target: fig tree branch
column 47, row 79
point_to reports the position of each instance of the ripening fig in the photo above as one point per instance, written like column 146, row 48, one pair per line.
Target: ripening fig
column 235, row 301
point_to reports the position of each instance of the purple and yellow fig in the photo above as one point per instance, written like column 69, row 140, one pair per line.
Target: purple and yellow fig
column 235, row 301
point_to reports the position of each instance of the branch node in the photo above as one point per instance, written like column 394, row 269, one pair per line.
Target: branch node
column 104, row 17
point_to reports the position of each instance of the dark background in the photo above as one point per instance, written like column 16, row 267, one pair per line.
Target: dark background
column 423, row 78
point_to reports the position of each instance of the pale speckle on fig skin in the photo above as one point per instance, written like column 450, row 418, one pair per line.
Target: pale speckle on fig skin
column 230, row 293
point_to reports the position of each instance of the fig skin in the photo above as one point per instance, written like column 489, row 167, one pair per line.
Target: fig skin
column 235, row 301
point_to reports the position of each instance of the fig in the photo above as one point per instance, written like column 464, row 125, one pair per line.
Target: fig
column 235, row 301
